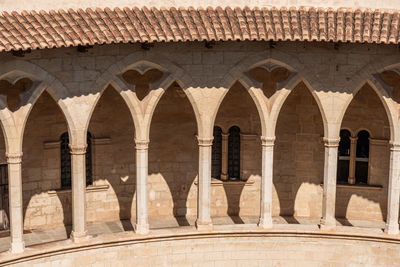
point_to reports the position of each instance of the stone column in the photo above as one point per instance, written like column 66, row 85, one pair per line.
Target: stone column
column 14, row 162
column 78, row 183
column 328, row 220
column 224, row 169
column 392, row 221
column 203, row 221
column 352, row 161
column 265, row 220
column 142, row 221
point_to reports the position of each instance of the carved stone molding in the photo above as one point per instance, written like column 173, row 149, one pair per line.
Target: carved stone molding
column 394, row 146
column 205, row 141
column 142, row 144
column 267, row 141
column 14, row 158
column 331, row 142
column 77, row 150
column 52, row 144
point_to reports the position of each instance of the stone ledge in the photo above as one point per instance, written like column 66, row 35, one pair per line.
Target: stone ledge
column 217, row 182
column 90, row 188
column 357, row 186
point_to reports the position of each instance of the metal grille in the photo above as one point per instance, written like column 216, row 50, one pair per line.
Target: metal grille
column 343, row 157
column 216, row 153
column 66, row 161
column 362, row 156
column 234, row 153
column 4, row 188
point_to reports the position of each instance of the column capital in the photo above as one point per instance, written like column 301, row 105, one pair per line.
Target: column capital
column 142, row 144
column 77, row 150
column 353, row 139
column 331, row 142
column 394, row 146
column 205, row 141
column 14, row 158
column 267, row 140
column 225, row 135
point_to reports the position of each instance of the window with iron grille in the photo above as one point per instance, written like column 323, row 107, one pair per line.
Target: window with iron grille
column 234, row 153
column 343, row 157
column 66, row 161
column 216, row 166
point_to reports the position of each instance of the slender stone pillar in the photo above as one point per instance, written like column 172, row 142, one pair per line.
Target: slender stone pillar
column 352, row 161
column 203, row 221
column 224, row 169
column 328, row 220
column 15, row 198
column 142, row 221
column 392, row 221
column 78, row 182
column 265, row 220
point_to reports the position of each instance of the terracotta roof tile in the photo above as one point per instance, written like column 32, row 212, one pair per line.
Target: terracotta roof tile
column 38, row 30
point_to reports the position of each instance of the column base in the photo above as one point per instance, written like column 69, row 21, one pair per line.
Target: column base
column 392, row 228
column 327, row 225
column 265, row 223
column 142, row 229
column 204, row 225
column 77, row 237
column 17, row 247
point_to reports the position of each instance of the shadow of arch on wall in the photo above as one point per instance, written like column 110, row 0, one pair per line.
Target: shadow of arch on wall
column 366, row 112
column 41, row 167
column 299, row 156
column 173, row 158
column 238, row 109
column 113, row 158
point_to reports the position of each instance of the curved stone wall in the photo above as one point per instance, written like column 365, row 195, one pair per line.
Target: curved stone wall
column 238, row 248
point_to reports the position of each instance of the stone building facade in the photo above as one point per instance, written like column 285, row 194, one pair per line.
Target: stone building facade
column 138, row 123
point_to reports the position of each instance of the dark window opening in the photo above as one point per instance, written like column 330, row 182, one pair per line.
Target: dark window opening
column 234, row 153
column 216, row 166
column 66, row 161
column 343, row 157
column 362, row 157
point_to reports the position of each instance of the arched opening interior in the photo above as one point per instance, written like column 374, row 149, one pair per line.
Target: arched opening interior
column 236, row 191
column 298, row 157
column 173, row 161
column 363, row 195
column 4, row 200
column 113, row 161
column 45, row 205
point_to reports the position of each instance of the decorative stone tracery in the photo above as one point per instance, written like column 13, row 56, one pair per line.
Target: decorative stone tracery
column 13, row 91
column 269, row 78
column 142, row 81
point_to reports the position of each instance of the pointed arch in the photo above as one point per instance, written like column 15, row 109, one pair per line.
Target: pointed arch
column 42, row 81
column 385, row 100
column 142, row 112
column 299, row 155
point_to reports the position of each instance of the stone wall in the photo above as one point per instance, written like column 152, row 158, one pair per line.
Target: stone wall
column 173, row 153
column 231, row 250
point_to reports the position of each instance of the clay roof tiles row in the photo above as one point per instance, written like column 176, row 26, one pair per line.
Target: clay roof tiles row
column 39, row 30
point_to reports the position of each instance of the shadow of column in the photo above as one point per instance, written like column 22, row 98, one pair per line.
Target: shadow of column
column 233, row 192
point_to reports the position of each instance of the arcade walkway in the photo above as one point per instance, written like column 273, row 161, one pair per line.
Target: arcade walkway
column 41, row 236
